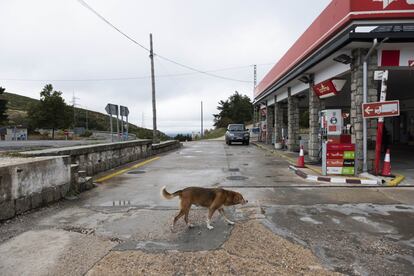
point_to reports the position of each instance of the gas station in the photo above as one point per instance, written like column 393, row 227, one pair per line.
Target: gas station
column 356, row 52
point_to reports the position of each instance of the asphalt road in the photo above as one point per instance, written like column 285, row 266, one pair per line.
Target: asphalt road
column 289, row 227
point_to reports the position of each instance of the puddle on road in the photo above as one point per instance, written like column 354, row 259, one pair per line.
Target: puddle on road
column 237, row 177
column 379, row 227
column 337, row 233
column 310, row 220
column 234, row 170
column 136, row 172
column 198, row 238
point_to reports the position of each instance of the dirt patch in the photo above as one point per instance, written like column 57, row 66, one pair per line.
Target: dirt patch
column 251, row 250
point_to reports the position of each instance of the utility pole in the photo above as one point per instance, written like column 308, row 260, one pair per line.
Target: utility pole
column 154, row 110
column 254, row 76
column 122, row 127
column 117, row 124
column 202, row 132
column 74, row 108
column 254, row 87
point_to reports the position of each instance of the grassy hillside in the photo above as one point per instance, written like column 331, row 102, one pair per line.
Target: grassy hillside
column 215, row 133
column 19, row 105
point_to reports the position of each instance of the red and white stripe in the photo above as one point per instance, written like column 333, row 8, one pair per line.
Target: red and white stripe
column 396, row 58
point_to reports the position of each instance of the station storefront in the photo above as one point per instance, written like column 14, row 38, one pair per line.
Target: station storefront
column 314, row 94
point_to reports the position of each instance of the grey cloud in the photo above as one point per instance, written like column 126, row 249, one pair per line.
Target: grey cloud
column 50, row 39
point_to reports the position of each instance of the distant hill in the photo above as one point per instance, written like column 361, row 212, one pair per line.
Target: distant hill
column 19, row 105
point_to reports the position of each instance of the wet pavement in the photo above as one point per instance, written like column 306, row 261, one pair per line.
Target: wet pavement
column 289, row 227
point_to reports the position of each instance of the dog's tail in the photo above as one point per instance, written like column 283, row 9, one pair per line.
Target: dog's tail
column 167, row 195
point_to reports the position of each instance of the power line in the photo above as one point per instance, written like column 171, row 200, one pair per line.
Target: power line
column 130, row 78
column 200, row 71
column 83, row 3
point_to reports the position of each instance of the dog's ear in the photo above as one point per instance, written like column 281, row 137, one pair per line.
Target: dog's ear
column 237, row 198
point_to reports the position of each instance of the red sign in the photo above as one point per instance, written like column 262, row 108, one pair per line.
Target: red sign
column 335, row 155
column 372, row 5
column 381, row 109
column 340, row 147
column 325, row 89
column 334, row 19
column 340, row 159
column 396, row 58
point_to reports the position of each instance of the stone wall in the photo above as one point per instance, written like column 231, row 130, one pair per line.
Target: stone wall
column 315, row 106
column 270, row 124
column 165, row 146
column 278, row 122
column 293, row 123
column 45, row 176
column 356, row 106
column 29, row 183
column 99, row 158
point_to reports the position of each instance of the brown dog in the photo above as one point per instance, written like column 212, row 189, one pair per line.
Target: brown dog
column 212, row 198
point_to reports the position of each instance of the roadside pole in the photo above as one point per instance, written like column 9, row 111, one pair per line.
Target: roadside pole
column 124, row 111
column 365, row 100
column 117, row 124
column 154, row 111
column 122, row 127
column 126, row 126
column 380, row 125
column 254, row 88
column 110, row 120
column 111, row 109
column 202, row 132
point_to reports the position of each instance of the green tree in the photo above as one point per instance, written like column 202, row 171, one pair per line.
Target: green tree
column 237, row 109
column 183, row 137
column 51, row 112
column 3, row 107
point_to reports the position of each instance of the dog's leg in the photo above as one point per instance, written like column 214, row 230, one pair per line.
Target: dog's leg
column 221, row 210
column 190, row 225
column 177, row 217
column 210, row 214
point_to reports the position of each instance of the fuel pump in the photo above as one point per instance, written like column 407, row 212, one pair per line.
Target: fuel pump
column 331, row 123
column 338, row 154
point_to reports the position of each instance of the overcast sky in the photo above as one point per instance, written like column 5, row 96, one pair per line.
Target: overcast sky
column 55, row 40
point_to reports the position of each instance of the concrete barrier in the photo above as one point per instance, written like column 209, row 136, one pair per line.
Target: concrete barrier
column 44, row 176
column 165, row 146
column 29, row 183
column 102, row 157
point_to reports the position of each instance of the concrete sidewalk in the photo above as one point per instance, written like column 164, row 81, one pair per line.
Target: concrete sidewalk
column 313, row 171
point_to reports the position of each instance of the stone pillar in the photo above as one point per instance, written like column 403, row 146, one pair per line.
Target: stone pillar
column 270, row 121
column 293, row 122
column 315, row 106
column 256, row 115
column 278, row 122
column 357, row 95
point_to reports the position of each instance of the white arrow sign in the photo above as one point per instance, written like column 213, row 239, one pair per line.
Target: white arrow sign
column 368, row 110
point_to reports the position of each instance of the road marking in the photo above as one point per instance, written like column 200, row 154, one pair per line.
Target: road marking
column 397, row 180
column 109, row 176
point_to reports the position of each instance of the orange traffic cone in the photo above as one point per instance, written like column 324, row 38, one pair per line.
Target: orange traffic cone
column 386, row 169
column 301, row 159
